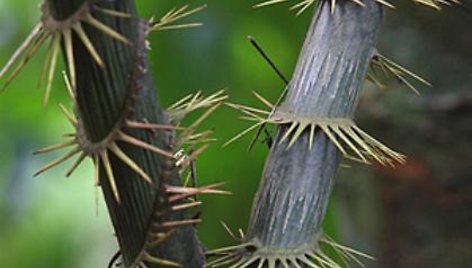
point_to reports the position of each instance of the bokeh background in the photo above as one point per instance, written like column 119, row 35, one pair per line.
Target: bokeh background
column 417, row 215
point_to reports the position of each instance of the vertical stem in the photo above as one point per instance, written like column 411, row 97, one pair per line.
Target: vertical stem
column 296, row 184
column 106, row 95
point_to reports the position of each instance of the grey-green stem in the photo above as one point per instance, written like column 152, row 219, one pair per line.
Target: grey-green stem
column 334, row 59
column 296, row 184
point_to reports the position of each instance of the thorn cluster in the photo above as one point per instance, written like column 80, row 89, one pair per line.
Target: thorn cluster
column 381, row 65
column 60, row 32
column 175, row 14
column 253, row 255
column 303, row 5
column 352, row 142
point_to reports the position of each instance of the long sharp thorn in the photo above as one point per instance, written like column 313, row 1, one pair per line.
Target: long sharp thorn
column 161, row 237
column 364, row 145
column 144, row 125
column 159, row 261
column 70, row 88
column 180, row 26
column 70, row 55
column 37, row 30
column 347, row 141
column 58, row 161
column 136, row 142
column 55, row 147
column 186, row 206
column 129, row 162
column 264, row 55
column 111, row 178
column 312, row 136
column 193, row 155
column 88, row 44
column 105, row 29
column 46, row 63
column 32, row 50
column 228, row 230
column 52, row 67
column 114, row 13
column 244, row 132
column 333, row 139
column 68, row 115
column 385, row 3
column 178, row 223
column 271, row 2
column 263, row 100
column 76, row 164
column 288, row 132
column 297, row 134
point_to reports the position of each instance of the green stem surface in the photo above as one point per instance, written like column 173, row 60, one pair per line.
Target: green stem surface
column 104, row 95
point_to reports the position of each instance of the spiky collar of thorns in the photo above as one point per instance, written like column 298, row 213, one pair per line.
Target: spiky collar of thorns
column 303, row 5
column 352, row 141
column 253, row 254
column 60, row 31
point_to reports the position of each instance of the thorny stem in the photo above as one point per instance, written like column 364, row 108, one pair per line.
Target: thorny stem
column 296, row 184
column 105, row 97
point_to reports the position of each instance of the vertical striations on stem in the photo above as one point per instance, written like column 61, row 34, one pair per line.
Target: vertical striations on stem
column 114, row 86
column 313, row 120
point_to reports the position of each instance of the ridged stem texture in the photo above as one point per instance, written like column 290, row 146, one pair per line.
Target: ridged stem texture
column 297, row 180
column 105, row 96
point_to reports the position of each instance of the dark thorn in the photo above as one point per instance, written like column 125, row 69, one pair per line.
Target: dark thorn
column 266, row 57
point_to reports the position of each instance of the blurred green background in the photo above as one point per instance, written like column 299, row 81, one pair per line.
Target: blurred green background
column 414, row 216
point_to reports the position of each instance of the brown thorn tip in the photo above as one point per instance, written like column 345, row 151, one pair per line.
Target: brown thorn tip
column 109, row 171
column 58, row 161
column 55, row 147
column 187, row 206
column 180, row 223
column 129, row 162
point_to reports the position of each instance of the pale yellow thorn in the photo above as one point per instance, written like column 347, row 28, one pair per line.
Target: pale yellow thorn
column 67, row 34
column 129, row 162
column 58, row 161
column 287, row 133
column 192, row 157
column 52, row 67
column 45, row 65
column 55, row 147
column 37, row 30
column 186, row 206
column 333, row 139
column 244, row 132
column 88, row 44
column 178, row 223
column 136, row 142
column 301, row 127
column 76, row 164
column 312, row 136
column 70, row 117
column 32, row 50
column 109, row 171
column 263, row 100
column 271, row 2
column 145, row 125
column 159, row 261
column 105, row 29
column 114, row 13
column 69, row 88
column 339, row 132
